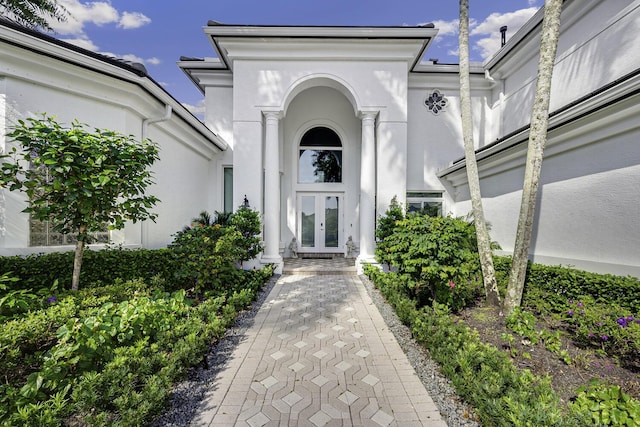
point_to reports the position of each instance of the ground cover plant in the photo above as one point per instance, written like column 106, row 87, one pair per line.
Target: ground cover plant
column 109, row 353
column 568, row 357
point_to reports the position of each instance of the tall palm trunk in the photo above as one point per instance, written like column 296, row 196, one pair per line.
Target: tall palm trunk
column 484, row 243
column 537, row 140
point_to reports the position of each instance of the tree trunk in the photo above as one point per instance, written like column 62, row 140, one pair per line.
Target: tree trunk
column 484, row 243
column 77, row 260
column 537, row 140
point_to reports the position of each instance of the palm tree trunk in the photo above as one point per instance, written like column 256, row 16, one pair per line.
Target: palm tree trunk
column 484, row 243
column 537, row 141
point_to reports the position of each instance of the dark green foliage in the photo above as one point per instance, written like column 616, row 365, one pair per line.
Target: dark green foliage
column 109, row 355
column 34, row 13
column 208, row 253
column 101, row 267
column 438, row 255
column 550, row 287
column 247, row 221
column 384, row 228
column 607, row 405
column 481, row 374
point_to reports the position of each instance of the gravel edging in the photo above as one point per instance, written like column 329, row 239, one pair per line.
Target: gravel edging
column 454, row 410
column 188, row 395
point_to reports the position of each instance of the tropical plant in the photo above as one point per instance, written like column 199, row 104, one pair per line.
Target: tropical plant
column 80, row 180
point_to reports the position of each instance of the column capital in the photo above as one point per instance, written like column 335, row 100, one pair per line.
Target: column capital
column 273, row 114
column 368, row 115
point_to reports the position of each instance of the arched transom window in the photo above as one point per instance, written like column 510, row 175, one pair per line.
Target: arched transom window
column 320, row 157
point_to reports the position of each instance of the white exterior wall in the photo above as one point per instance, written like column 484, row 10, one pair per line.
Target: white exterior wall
column 598, row 44
column 588, row 212
column 33, row 84
column 275, row 86
column 436, row 140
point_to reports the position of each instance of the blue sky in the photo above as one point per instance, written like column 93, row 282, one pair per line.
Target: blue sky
column 156, row 33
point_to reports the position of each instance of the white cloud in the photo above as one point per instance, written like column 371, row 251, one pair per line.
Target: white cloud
column 82, row 42
column 130, row 20
column 490, row 29
column 446, row 28
column 134, row 58
column 98, row 13
column 197, row 110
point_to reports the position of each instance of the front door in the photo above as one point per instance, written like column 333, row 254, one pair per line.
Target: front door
column 320, row 222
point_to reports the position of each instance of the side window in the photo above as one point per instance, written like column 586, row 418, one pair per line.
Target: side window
column 426, row 202
column 41, row 233
column 228, row 189
column 320, row 157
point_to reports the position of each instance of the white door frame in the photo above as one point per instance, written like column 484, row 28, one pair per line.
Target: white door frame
column 319, row 230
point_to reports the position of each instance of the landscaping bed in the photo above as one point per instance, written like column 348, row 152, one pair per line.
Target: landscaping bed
column 569, row 356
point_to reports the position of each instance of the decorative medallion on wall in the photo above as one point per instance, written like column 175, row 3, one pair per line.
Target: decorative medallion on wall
column 436, row 102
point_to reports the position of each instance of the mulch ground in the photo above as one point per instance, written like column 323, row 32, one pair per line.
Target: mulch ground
column 586, row 363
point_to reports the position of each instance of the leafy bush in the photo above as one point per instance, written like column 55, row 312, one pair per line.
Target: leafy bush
column 606, row 326
column 207, row 253
column 484, row 376
column 548, row 288
column 103, row 267
column 439, row 255
column 523, row 323
column 92, row 360
column 385, row 227
column 607, row 405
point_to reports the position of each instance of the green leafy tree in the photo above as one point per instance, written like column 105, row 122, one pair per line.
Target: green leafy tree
column 80, row 180
column 34, row 13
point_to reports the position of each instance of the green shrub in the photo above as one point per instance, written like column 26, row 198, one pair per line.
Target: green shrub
column 548, row 288
column 440, row 256
column 384, row 228
column 607, row 405
column 99, row 268
column 609, row 327
column 207, row 255
column 523, row 323
column 483, row 375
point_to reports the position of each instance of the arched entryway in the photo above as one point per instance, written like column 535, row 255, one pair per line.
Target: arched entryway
column 321, row 136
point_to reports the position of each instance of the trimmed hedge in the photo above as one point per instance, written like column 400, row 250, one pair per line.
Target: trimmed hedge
column 98, row 268
column 550, row 287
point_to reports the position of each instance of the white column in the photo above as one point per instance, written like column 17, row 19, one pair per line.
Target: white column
column 367, row 188
column 272, row 189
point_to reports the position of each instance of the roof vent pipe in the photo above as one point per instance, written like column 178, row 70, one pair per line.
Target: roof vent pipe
column 503, row 35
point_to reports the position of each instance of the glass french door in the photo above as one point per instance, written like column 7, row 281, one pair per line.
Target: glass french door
column 320, row 222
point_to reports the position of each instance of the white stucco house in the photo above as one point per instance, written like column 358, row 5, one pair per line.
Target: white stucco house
column 320, row 127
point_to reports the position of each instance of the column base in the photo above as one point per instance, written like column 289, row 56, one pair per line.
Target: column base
column 277, row 262
column 365, row 259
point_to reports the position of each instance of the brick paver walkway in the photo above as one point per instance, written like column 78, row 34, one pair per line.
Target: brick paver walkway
column 318, row 354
